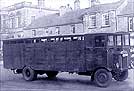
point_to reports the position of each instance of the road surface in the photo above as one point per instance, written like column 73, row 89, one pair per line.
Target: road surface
column 63, row 82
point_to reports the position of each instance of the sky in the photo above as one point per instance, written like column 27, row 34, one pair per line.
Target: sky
column 52, row 3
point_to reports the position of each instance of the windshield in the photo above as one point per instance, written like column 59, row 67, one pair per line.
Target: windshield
column 110, row 40
column 118, row 40
column 123, row 40
column 126, row 39
column 99, row 41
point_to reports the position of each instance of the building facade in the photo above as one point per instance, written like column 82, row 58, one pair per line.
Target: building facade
column 14, row 18
column 2, row 13
column 20, row 15
column 98, row 17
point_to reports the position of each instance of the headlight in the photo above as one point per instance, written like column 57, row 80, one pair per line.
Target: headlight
column 124, row 53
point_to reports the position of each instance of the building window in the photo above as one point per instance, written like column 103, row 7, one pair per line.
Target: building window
column 13, row 23
column 57, row 30
column 73, row 28
column 19, row 21
column 51, row 32
column 46, row 31
column 10, row 23
column 32, row 18
column 34, row 32
column 4, row 24
column 92, row 21
column 131, row 24
column 105, row 19
column 18, row 18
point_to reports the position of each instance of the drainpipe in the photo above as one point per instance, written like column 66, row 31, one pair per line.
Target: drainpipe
column 116, row 19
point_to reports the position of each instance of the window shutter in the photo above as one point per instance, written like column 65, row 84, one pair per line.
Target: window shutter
column 103, row 19
column 112, row 16
column 130, row 24
column 16, row 22
column 89, row 23
column 133, row 23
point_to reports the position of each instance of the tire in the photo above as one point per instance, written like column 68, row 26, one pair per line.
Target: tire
column 51, row 74
column 102, row 78
column 29, row 74
column 121, row 75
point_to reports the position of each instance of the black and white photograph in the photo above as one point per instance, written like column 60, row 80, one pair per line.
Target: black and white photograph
column 66, row 45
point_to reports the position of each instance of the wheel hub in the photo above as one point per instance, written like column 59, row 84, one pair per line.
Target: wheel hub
column 102, row 78
column 27, row 73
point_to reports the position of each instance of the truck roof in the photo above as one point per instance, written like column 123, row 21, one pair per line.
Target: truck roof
column 67, row 35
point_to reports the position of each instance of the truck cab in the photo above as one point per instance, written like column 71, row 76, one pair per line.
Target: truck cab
column 118, row 53
column 107, row 56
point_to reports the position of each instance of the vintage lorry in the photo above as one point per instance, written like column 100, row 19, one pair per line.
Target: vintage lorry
column 102, row 56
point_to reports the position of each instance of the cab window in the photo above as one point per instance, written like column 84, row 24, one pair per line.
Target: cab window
column 118, row 40
column 110, row 40
column 99, row 41
column 126, row 40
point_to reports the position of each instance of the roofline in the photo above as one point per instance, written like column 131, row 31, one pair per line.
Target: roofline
column 127, row 15
column 23, row 6
column 34, row 7
column 120, row 1
column 52, row 26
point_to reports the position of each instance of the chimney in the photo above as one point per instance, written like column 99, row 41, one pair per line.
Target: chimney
column 41, row 3
column 93, row 3
column 64, row 9
column 77, row 5
column 68, row 8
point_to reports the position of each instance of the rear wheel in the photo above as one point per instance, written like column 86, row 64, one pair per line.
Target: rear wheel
column 29, row 74
column 102, row 77
column 51, row 74
column 121, row 75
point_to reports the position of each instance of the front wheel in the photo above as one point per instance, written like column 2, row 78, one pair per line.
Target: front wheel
column 29, row 74
column 102, row 77
column 121, row 75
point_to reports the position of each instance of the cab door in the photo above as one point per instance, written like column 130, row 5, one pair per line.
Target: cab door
column 100, row 51
column 96, row 53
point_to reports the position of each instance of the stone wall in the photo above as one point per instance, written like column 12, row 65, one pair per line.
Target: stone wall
column 99, row 23
column 51, row 31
